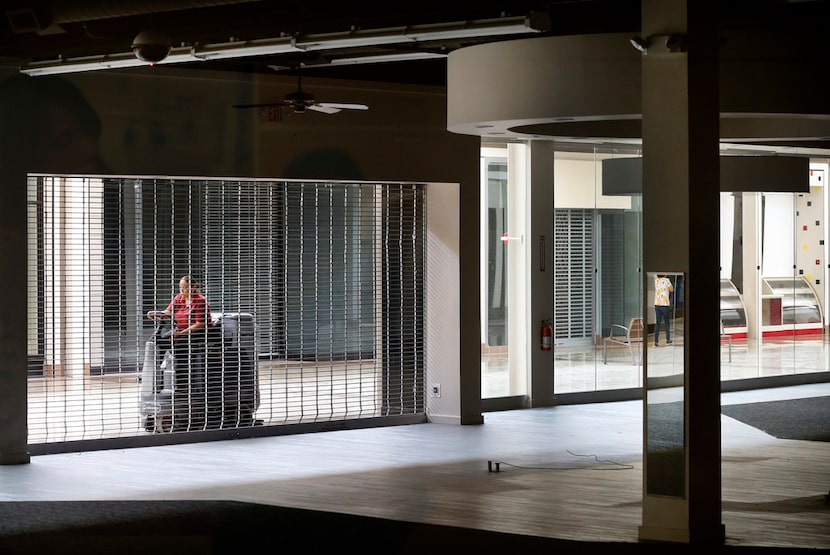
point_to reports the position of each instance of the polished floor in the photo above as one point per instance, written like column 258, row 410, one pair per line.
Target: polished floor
column 584, row 368
column 569, row 472
column 74, row 408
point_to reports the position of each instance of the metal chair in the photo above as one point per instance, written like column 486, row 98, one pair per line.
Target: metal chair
column 630, row 336
column 728, row 338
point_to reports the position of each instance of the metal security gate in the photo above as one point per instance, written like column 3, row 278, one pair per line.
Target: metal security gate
column 324, row 279
column 573, row 277
column 612, row 270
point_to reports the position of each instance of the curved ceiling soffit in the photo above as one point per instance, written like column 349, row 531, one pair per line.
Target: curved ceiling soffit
column 587, row 88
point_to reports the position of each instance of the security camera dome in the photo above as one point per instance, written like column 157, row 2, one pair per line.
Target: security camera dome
column 151, row 46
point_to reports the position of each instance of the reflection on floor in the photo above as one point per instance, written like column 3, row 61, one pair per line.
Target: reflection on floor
column 70, row 408
column 62, row 410
column 580, row 368
column 572, row 472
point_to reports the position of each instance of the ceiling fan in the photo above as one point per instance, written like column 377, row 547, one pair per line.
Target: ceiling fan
column 299, row 101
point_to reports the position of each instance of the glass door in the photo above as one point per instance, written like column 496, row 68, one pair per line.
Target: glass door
column 598, row 322
column 494, row 287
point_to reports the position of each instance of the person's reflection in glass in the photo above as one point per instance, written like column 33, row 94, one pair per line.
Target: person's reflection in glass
column 663, row 289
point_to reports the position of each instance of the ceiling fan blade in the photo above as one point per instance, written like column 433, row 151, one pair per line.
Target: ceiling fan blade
column 341, row 106
column 326, row 109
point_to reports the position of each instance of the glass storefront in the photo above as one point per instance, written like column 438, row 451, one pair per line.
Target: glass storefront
column 773, row 289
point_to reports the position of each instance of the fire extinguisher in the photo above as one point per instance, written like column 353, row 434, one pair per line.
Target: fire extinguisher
column 547, row 335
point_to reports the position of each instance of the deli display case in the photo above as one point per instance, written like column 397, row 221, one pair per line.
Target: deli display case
column 790, row 305
column 732, row 310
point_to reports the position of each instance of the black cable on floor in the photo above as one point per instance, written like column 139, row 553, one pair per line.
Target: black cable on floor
column 495, row 466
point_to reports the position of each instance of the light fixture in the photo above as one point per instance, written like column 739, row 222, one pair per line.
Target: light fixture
column 675, row 43
column 660, row 44
column 104, row 61
column 239, row 49
column 354, row 39
column 381, row 58
column 640, row 44
column 533, row 23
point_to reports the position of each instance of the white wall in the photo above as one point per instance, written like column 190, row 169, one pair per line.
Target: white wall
column 578, row 184
column 779, row 220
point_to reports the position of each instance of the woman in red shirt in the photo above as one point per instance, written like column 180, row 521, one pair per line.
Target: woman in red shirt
column 189, row 309
column 191, row 318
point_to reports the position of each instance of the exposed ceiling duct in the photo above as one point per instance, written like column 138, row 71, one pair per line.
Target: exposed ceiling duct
column 414, row 34
column 38, row 31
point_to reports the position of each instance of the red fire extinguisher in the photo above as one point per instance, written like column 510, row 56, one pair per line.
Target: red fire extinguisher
column 547, row 335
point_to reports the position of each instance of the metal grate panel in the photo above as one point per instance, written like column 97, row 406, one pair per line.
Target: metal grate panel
column 316, row 290
column 612, row 256
column 573, row 275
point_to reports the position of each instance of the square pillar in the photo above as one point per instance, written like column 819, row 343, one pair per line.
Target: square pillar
column 682, row 477
column 13, row 315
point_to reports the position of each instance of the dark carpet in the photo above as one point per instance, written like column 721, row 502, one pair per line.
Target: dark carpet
column 806, row 419
column 665, row 455
column 219, row 527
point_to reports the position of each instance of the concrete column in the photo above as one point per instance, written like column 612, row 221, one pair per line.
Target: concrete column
column 751, row 241
column 13, row 315
column 539, row 275
column 680, row 188
column 518, row 332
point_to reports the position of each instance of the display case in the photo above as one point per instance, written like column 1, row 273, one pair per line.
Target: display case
column 732, row 310
column 800, row 310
